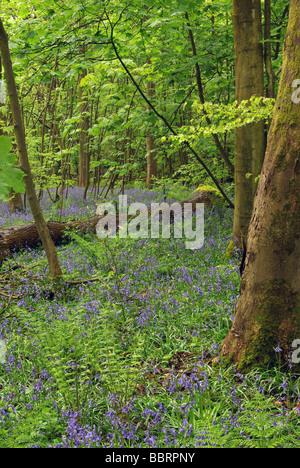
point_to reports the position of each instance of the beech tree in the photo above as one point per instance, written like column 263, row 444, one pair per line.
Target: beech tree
column 249, row 147
column 267, row 312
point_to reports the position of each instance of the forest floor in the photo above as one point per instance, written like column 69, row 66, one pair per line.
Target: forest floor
column 131, row 360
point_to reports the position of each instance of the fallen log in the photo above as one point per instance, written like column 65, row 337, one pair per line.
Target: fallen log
column 209, row 198
column 24, row 236
column 17, row 237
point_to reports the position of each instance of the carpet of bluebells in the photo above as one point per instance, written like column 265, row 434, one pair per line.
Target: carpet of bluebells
column 130, row 357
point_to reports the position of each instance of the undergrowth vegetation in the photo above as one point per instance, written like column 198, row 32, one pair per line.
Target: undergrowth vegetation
column 127, row 354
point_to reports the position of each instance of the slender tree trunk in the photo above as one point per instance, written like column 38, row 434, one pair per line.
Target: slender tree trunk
column 2, row 100
column 15, row 201
column 84, row 160
column 151, row 144
column 183, row 155
column 267, row 52
column 278, row 35
column 42, row 228
column 151, row 161
column 268, row 310
column 249, row 81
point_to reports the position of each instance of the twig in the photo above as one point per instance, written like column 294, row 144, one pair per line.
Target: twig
column 12, row 297
column 8, row 316
column 6, row 306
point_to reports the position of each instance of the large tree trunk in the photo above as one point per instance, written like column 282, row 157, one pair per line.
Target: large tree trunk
column 249, row 140
column 42, row 228
column 268, row 310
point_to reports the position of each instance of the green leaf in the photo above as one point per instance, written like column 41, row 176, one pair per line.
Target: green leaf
column 5, row 145
column 10, row 176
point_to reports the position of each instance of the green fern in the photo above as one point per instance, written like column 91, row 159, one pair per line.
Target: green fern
column 77, row 352
column 261, row 427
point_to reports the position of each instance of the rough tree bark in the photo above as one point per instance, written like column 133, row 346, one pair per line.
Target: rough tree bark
column 42, row 228
column 249, row 81
column 268, row 309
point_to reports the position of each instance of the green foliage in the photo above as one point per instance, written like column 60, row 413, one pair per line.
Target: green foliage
column 261, row 426
column 61, row 56
column 225, row 118
column 118, row 119
column 208, row 188
column 10, row 176
column 36, row 426
column 139, row 332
